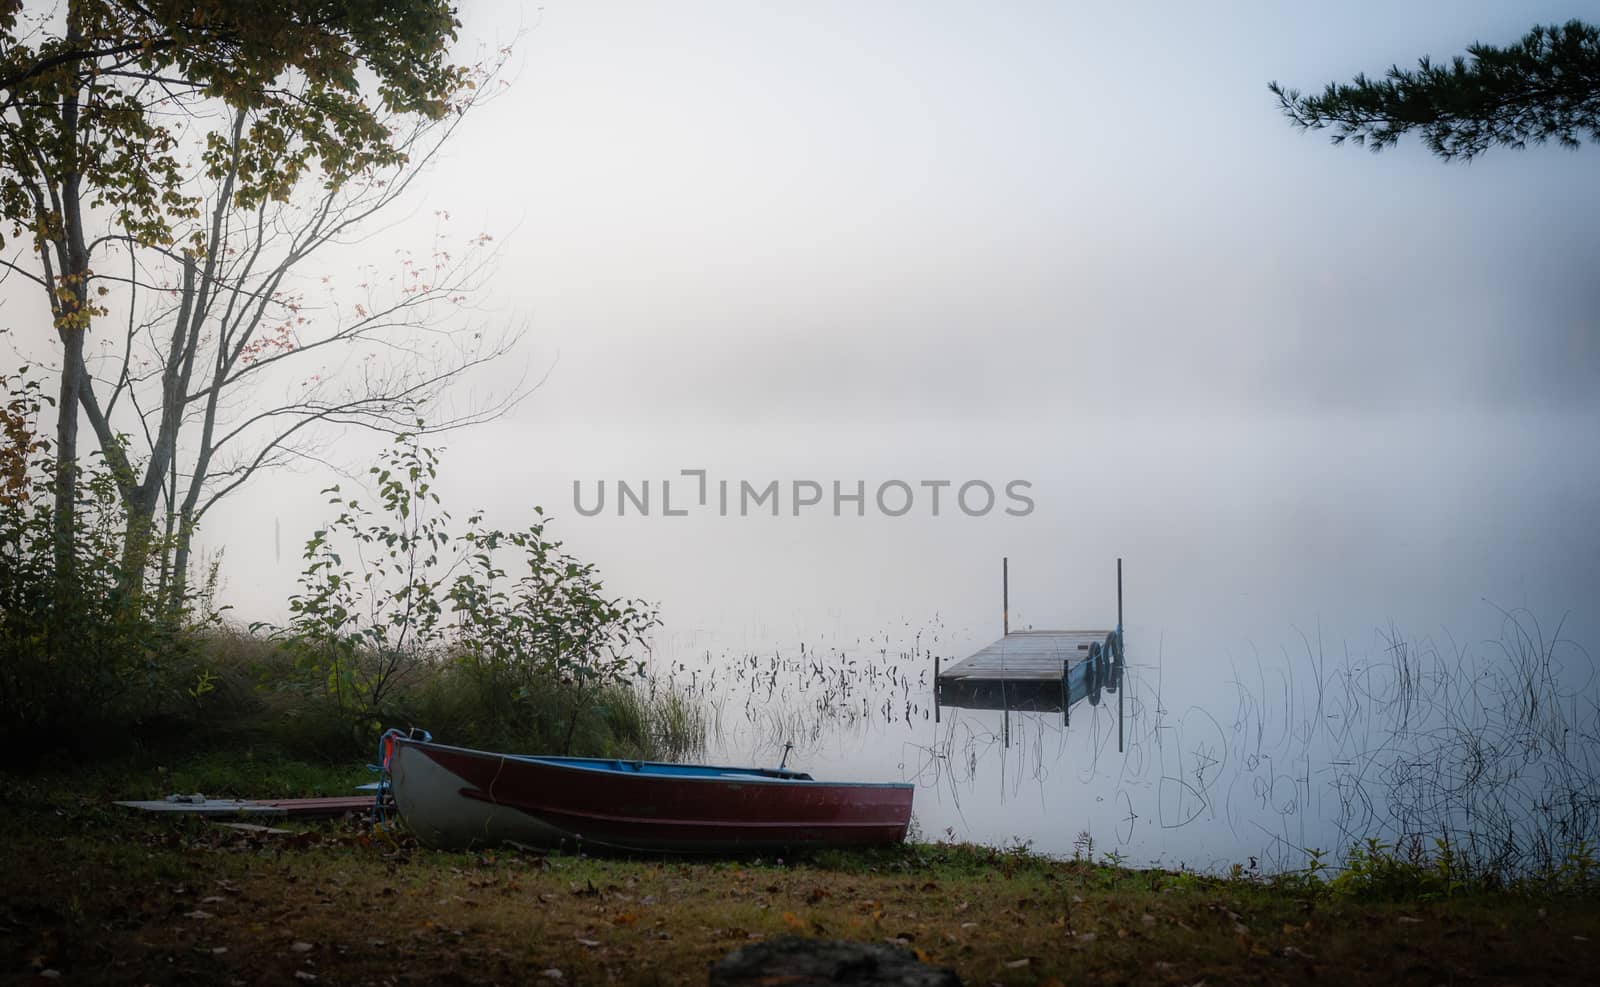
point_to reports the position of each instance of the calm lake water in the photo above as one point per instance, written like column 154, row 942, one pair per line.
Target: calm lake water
column 1495, row 746
column 1268, row 710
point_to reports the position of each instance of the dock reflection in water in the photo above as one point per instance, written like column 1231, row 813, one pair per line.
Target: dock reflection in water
column 1401, row 741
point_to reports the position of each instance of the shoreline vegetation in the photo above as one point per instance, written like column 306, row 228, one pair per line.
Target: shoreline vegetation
column 100, row 893
column 262, row 318
column 500, row 639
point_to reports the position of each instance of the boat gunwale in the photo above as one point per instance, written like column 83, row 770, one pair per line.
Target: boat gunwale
column 612, row 766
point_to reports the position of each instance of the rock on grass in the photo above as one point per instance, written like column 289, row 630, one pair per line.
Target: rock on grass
column 796, row 962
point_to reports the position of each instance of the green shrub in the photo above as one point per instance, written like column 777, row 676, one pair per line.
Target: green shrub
column 420, row 626
column 83, row 657
column 400, row 619
column 632, row 719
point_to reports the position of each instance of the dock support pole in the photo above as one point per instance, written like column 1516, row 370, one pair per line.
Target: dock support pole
column 1122, row 651
column 1005, row 596
column 1066, row 692
column 936, row 688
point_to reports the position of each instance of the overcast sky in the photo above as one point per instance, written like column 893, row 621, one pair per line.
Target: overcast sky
column 833, row 212
column 1071, row 244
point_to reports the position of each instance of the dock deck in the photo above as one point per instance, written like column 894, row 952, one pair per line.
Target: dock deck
column 1042, row 671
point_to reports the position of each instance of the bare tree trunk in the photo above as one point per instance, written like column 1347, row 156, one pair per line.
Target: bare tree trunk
column 178, row 585
column 66, row 479
column 72, row 324
column 189, row 512
column 137, row 532
column 168, row 546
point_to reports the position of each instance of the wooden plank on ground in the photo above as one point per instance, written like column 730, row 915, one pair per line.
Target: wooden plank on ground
column 273, row 808
column 253, row 828
column 206, row 807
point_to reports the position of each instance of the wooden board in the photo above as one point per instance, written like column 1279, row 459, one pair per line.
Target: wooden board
column 1026, row 655
column 275, row 808
column 259, row 830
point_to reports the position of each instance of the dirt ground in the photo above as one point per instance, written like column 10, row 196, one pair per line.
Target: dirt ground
column 91, row 893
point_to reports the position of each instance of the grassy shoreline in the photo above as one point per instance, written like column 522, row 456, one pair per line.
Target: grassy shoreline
column 102, row 894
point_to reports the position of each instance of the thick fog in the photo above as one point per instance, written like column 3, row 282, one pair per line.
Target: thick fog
column 1290, row 383
column 1307, row 393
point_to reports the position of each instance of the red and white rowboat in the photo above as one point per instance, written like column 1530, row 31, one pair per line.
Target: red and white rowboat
column 457, row 797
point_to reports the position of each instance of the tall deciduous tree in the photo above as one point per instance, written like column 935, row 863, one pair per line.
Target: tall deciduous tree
column 240, row 353
column 96, row 97
column 1545, row 87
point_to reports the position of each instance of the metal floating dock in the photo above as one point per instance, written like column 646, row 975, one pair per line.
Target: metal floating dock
column 1036, row 671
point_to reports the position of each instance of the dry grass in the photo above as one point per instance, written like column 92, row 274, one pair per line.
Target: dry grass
column 102, row 895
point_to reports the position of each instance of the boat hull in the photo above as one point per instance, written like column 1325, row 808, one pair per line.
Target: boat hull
column 456, row 797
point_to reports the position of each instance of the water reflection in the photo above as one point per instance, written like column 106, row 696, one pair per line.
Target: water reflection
column 1491, row 750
